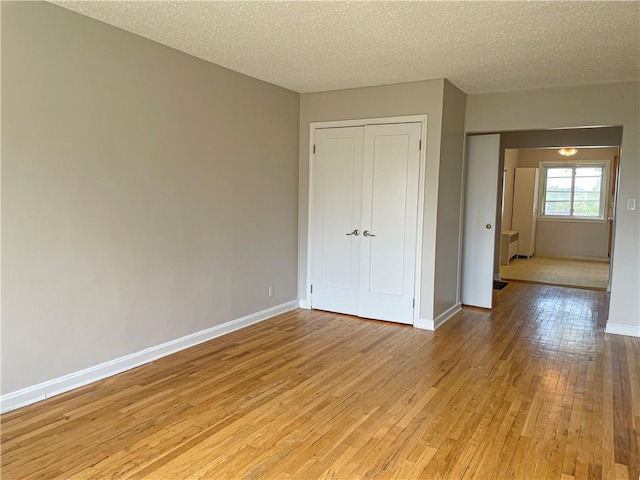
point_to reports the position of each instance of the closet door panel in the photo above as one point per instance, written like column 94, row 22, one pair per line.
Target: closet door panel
column 337, row 212
column 388, row 199
column 389, row 206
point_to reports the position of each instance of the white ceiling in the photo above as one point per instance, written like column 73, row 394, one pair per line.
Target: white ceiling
column 310, row 46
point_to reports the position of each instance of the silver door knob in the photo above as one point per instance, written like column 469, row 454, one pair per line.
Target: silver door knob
column 488, row 226
column 367, row 233
column 356, row 232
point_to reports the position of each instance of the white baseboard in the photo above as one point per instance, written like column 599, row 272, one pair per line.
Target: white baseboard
column 428, row 324
column 622, row 329
column 574, row 257
column 50, row 388
column 424, row 324
column 304, row 304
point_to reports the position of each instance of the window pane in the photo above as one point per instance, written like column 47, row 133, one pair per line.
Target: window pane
column 560, row 196
column 594, row 196
column 588, row 171
column 585, row 208
column 557, row 208
column 559, row 184
column 558, row 191
column 588, row 184
column 587, row 192
column 553, row 172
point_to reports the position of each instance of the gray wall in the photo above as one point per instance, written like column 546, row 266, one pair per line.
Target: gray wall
column 447, row 269
column 606, row 104
column 384, row 101
column 146, row 194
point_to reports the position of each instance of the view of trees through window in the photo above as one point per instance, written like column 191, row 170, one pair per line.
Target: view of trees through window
column 573, row 191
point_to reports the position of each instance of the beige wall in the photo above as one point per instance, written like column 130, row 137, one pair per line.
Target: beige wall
column 447, row 268
column 531, row 157
column 372, row 102
column 146, row 194
column 571, row 238
column 606, row 104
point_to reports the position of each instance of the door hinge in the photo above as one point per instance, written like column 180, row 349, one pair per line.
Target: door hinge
column 414, row 303
column 314, row 148
column 420, row 145
column 311, row 288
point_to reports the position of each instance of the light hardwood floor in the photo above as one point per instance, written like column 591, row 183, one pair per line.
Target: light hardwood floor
column 558, row 271
column 534, row 389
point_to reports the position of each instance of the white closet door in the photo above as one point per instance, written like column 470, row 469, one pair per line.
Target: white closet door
column 480, row 202
column 389, row 221
column 337, row 211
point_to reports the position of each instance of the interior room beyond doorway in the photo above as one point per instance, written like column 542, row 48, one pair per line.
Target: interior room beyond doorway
column 557, row 216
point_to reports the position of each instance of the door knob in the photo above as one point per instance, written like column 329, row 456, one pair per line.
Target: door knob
column 356, row 232
column 488, row 226
column 367, row 233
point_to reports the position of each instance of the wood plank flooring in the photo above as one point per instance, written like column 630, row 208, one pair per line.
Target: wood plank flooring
column 534, row 389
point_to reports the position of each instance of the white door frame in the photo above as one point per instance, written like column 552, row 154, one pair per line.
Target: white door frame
column 313, row 126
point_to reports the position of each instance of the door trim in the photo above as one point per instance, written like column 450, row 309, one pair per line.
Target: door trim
column 313, row 126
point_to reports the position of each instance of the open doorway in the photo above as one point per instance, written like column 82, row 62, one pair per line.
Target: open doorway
column 557, row 215
column 486, row 185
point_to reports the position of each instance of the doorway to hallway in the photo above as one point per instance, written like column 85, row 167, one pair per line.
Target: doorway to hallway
column 564, row 217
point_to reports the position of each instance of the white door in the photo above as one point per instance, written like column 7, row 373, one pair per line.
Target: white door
column 480, row 207
column 365, row 204
column 389, row 221
column 337, row 211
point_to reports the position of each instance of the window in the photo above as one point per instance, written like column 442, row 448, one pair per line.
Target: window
column 574, row 191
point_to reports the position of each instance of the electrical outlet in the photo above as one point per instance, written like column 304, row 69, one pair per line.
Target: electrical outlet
column 631, row 203
column 271, row 291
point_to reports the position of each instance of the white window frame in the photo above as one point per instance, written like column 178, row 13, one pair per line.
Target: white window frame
column 604, row 190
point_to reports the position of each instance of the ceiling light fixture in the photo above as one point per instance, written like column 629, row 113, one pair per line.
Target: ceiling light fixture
column 567, row 152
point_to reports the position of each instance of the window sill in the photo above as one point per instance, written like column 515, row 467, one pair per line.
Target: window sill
column 573, row 220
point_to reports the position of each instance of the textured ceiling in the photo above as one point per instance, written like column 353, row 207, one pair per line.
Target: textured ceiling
column 311, row 46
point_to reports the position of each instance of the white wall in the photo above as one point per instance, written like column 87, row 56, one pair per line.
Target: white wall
column 146, row 194
column 567, row 238
column 605, row 104
column 372, row 102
